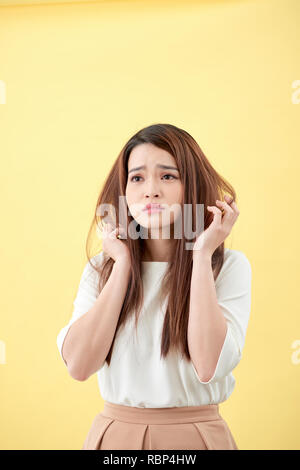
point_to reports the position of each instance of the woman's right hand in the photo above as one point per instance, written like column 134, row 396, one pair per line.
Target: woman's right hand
column 113, row 246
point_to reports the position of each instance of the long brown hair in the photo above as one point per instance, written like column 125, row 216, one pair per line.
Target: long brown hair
column 201, row 185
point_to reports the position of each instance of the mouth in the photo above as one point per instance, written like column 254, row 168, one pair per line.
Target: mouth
column 153, row 211
column 152, row 208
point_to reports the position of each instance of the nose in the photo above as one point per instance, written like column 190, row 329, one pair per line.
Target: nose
column 152, row 194
column 152, row 191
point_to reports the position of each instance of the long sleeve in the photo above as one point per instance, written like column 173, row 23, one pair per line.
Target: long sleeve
column 86, row 296
column 233, row 289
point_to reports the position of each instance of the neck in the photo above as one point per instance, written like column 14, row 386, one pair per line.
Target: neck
column 157, row 250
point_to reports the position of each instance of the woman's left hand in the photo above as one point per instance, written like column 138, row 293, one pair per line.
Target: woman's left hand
column 219, row 229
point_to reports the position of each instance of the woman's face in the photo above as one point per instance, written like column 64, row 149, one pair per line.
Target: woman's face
column 153, row 184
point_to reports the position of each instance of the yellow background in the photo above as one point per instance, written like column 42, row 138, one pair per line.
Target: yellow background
column 81, row 78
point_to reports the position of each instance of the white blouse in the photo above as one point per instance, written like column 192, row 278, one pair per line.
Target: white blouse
column 136, row 375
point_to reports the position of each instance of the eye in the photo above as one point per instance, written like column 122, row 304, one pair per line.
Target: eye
column 172, row 176
column 132, row 179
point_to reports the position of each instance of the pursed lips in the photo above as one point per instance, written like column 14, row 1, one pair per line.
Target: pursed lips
column 151, row 207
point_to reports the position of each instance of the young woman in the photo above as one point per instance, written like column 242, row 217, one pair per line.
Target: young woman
column 161, row 312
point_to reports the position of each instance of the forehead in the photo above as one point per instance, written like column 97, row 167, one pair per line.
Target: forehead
column 149, row 155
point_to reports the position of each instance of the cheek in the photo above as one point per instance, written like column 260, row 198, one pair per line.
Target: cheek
column 178, row 191
column 128, row 193
column 131, row 202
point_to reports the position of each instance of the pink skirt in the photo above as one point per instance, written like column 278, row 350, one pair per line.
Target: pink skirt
column 120, row 427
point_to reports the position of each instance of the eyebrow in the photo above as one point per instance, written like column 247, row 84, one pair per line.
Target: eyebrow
column 166, row 167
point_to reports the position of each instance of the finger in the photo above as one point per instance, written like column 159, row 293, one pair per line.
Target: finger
column 231, row 203
column 226, row 207
column 106, row 229
column 121, row 232
column 217, row 214
column 114, row 231
column 109, row 229
column 105, row 232
column 228, row 199
column 229, row 215
column 235, row 207
column 118, row 232
column 99, row 232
